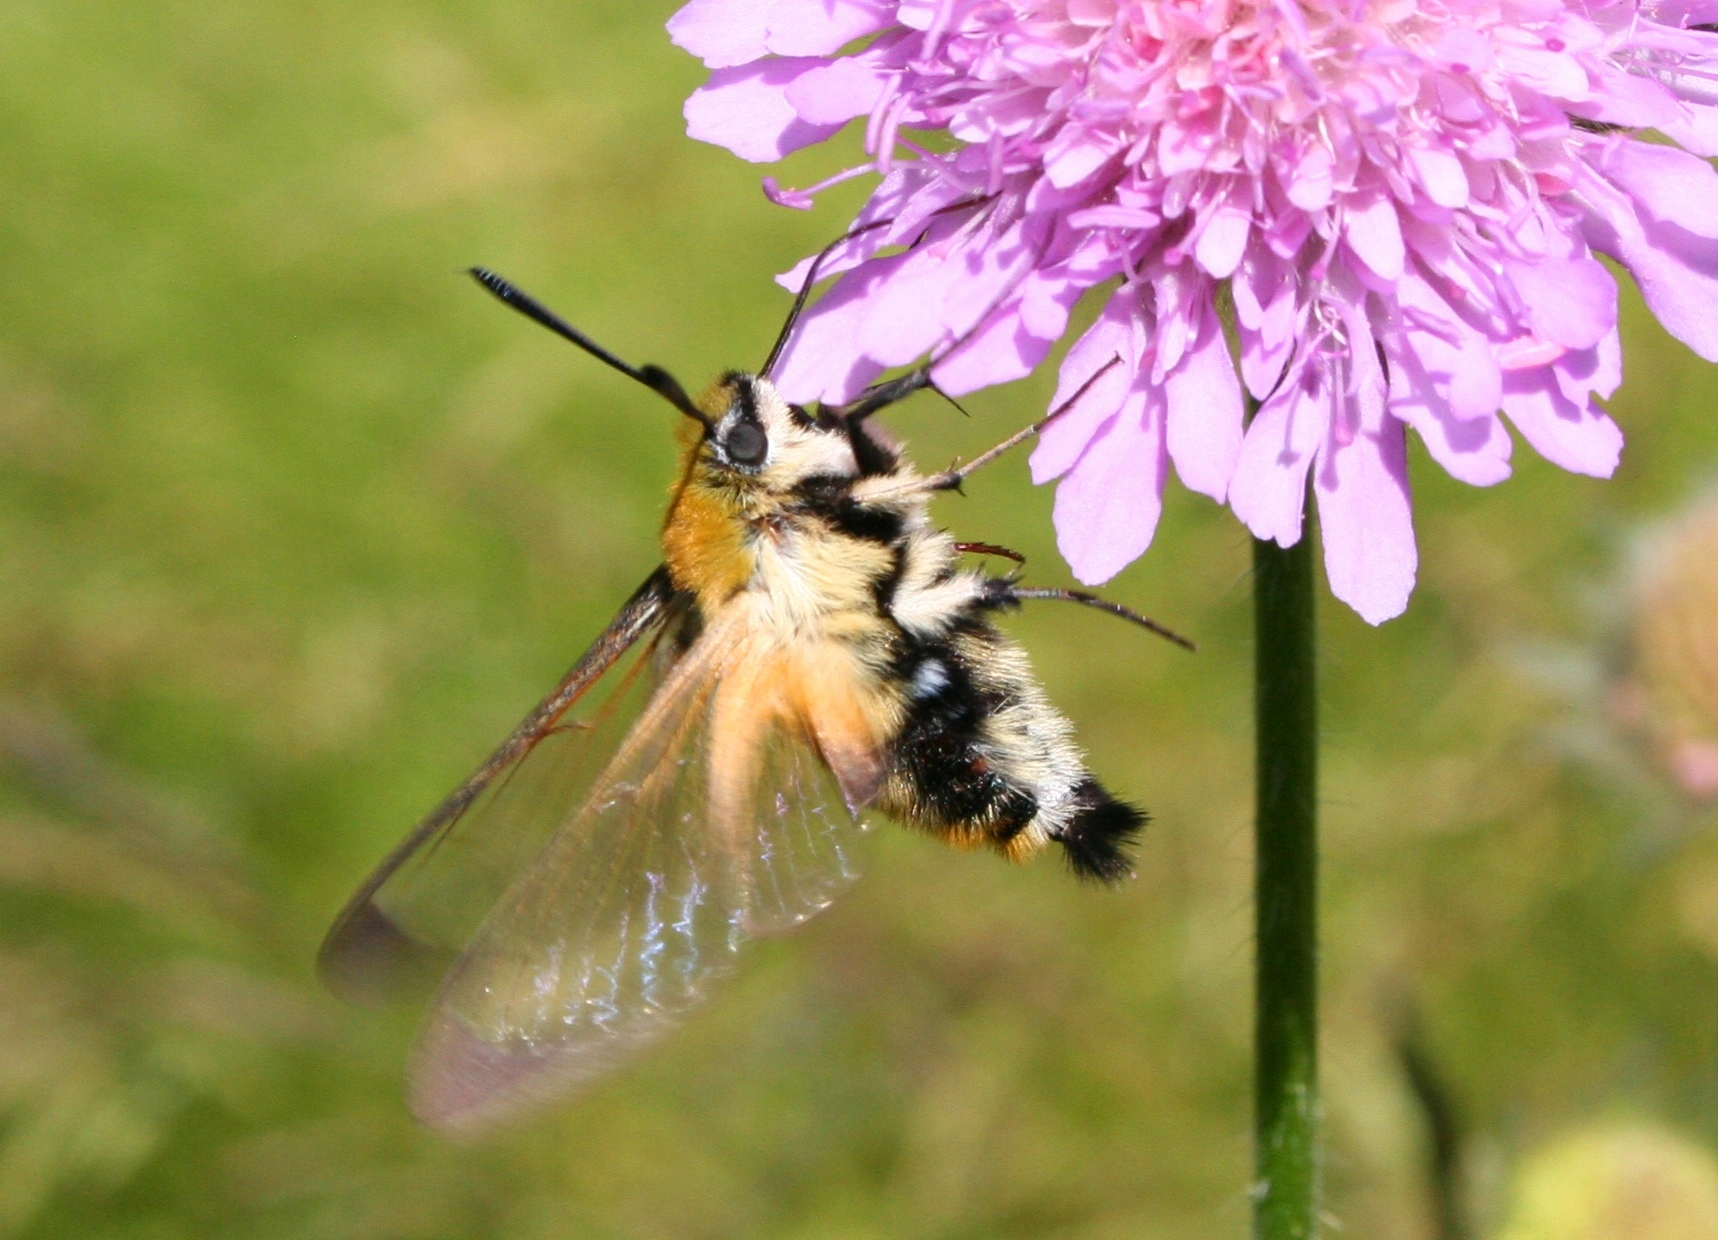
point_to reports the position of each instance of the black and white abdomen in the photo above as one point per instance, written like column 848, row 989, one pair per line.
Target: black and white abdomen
column 982, row 756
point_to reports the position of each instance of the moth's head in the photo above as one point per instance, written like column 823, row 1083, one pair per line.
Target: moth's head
column 742, row 435
column 757, row 440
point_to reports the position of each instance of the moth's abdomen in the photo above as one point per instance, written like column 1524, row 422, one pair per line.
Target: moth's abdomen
column 946, row 776
column 1097, row 833
column 982, row 757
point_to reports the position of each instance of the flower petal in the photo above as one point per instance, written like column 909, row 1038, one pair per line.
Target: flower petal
column 1440, row 174
column 1581, row 439
column 722, row 33
column 820, row 362
column 1443, row 350
column 1570, row 301
column 1672, row 186
column 1096, row 377
column 1010, row 344
column 1205, row 412
column 1108, row 506
column 1366, row 520
column 1696, row 128
column 1310, row 181
column 908, row 196
column 1268, row 491
column 942, row 290
column 1624, row 98
column 1676, row 271
column 746, row 110
column 1597, row 371
column 821, row 27
column 1474, row 450
column 1223, row 241
column 836, row 92
column 1375, row 235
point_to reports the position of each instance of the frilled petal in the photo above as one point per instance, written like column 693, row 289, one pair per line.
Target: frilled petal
column 1011, row 342
column 1597, row 371
column 722, row 33
column 1676, row 271
column 1446, row 383
column 1095, row 378
column 1178, row 292
column 1366, row 520
column 940, row 292
column 836, row 92
column 821, row 27
column 1475, row 450
column 1223, row 240
column 1626, row 99
column 1268, row 491
column 1579, row 437
column 1107, row 507
column 1205, row 412
column 1374, row 233
column 1570, row 301
column 898, row 209
column 1686, row 12
column 1670, row 186
column 1696, row 128
column 746, row 109
column 1265, row 311
column 1441, row 174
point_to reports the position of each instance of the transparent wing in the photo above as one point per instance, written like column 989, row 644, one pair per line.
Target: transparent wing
column 407, row 923
column 802, row 839
column 689, row 842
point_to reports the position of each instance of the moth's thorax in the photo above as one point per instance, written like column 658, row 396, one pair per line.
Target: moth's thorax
column 751, row 508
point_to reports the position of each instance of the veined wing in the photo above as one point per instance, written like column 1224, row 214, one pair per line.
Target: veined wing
column 715, row 821
column 407, row 923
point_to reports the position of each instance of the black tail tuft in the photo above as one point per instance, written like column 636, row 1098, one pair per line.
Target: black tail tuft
column 1098, row 833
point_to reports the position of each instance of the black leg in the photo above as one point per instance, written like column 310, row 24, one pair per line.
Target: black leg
column 1017, row 593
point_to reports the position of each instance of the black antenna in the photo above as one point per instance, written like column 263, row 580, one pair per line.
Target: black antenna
column 805, row 287
column 653, row 377
column 817, row 265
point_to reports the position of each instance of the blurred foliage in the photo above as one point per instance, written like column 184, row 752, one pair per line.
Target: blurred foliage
column 1634, row 1181
column 294, row 523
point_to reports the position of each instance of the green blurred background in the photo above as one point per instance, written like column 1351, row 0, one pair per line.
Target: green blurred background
column 295, row 523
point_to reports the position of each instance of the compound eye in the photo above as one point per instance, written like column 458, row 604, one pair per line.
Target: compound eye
column 746, row 444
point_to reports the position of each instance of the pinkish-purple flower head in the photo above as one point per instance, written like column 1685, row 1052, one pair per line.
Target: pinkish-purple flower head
column 1387, row 211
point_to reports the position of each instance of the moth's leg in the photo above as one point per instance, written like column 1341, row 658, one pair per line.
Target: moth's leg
column 1006, row 592
column 890, row 392
column 951, row 478
column 981, row 548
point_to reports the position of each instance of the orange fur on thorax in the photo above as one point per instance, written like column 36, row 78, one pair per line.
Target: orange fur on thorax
column 704, row 536
column 816, row 692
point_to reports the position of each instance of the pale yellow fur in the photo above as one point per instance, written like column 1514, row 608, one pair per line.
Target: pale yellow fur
column 814, row 653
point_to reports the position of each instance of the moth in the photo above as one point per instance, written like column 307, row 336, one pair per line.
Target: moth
column 812, row 647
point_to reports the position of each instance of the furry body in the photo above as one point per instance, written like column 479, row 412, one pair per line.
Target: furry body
column 867, row 634
column 579, row 892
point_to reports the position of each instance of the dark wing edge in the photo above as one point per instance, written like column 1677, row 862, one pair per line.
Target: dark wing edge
column 369, row 960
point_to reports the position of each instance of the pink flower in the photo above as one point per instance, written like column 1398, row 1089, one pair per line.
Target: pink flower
column 1403, row 200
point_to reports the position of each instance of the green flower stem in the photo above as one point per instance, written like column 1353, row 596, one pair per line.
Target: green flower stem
column 1285, row 1189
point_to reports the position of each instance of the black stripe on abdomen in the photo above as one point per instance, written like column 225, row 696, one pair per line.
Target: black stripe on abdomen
column 955, row 787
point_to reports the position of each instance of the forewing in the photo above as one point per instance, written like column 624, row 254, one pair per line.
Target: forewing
column 640, row 901
column 421, row 906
